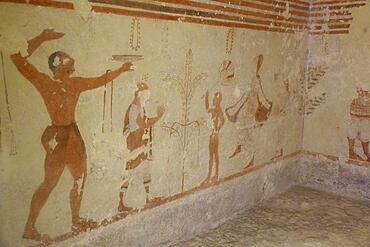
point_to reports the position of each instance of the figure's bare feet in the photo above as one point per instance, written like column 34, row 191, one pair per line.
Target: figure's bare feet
column 206, row 181
column 82, row 224
column 238, row 149
column 250, row 164
column 123, row 208
column 31, row 233
column 214, row 179
column 354, row 156
column 279, row 154
column 154, row 200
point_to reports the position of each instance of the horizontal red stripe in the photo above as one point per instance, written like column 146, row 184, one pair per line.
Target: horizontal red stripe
column 45, row 3
column 102, row 9
column 317, row 3
column 262, row 7
column 330, row 32
column 323, row 8
column 233, row 10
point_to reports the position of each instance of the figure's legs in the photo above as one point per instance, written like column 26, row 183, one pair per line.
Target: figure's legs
column 211, row 158
column 365, row 147
column 217, row 160
column 75, row 197
column 53, row 170
column 351, row 149
column 365, row 137
column 147, row 180
column 76, row 163
column 121, row 205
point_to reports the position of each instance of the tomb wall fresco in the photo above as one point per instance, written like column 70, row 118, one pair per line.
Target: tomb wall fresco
column 201, row 104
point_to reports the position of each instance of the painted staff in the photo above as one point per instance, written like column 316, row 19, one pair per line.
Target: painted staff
column 13, row 148
column 119, row 58
column 110, row 105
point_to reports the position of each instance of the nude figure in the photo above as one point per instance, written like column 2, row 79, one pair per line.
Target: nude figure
column 61, row 140
column 218, row 121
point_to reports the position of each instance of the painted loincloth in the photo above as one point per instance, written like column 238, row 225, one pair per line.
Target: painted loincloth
column 66, row 147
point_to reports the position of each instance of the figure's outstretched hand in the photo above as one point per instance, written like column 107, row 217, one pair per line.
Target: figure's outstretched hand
column 47, row 34
column 50, row 34
column 127, row 67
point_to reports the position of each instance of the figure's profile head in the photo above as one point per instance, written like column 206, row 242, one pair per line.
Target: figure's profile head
column 61, row 63
column 142, row 93
column 363, row 90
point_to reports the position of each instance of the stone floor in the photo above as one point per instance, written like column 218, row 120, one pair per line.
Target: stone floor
column 299, row 217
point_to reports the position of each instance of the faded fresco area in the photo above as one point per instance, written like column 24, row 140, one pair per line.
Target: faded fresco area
column 106, row 112
column 337, row 123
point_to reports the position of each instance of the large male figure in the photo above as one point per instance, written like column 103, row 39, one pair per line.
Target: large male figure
column 62, row 140
column 359, row 127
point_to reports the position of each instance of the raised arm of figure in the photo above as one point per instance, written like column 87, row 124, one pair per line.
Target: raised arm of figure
column 29, row 71
column 87, row 83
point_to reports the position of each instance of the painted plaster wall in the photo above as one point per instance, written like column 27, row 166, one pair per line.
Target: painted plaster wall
column 344, row 61
column 166, row 47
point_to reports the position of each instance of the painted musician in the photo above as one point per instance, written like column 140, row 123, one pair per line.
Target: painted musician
column 61, row 140
column 252, row 109
column 359, row 126
column 139, row 141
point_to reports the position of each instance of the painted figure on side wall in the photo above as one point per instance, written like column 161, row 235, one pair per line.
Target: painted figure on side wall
column 218, row 120
column 359, row 125
column 61, row 140
column 139, row 141
column 279, row 112
column 250, row 111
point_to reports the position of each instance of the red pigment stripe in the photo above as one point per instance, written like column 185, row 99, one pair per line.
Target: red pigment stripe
column 44, row 3
column 336, row 2
column 234, row 10
column 335, row 158
column 348, row 6
column 330, row 32
column 187, row 12
column 262, row 7
column 307, row 4
column 283, row 4
column 339, row 26
column 334, row 26
column 337, row 20
column 150, row 15
column 341, row 13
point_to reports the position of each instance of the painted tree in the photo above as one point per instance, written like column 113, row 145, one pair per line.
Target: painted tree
column 185, row 127
column 314, row 74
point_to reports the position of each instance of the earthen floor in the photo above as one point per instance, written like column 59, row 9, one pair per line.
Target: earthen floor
column 299, row 217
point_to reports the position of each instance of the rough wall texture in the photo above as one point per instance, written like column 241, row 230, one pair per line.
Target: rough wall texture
column 170, row 108
column 335, row 176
